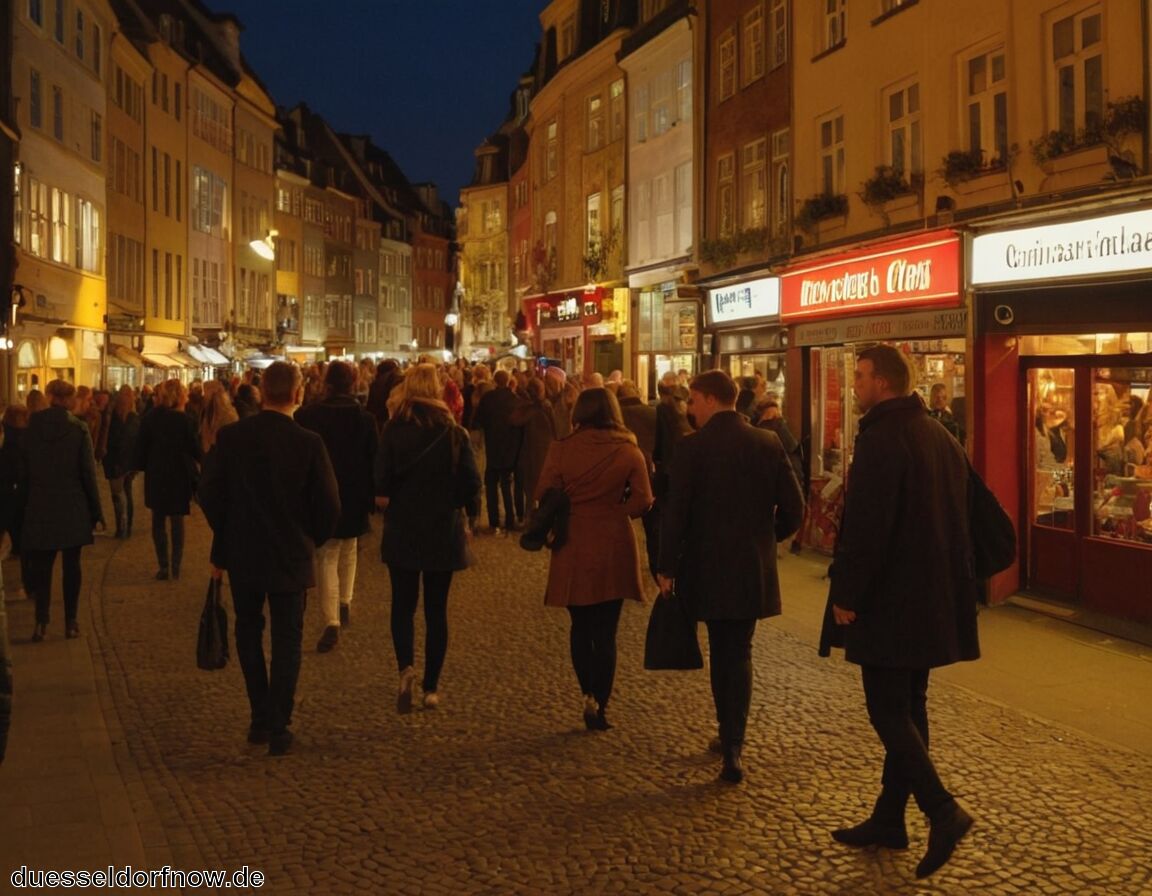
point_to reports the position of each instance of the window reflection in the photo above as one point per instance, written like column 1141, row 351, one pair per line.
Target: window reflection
column 1053, row 445
column 1122, row 453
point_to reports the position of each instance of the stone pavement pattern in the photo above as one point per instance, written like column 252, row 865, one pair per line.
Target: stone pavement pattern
column 502, row 790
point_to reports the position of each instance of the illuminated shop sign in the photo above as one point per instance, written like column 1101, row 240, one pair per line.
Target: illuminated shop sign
column 744, row 301
column 1107, row 245
column 573, row 309
column 903, row 275
column 941, row 324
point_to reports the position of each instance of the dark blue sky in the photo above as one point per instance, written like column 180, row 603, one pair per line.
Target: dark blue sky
column 427, row 79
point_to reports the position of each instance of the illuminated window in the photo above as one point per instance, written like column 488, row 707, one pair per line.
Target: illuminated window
column 725, row 195
column 904, row 130
column 831, row 158
column 727, row 56
column 753, row 33
column 986, row 102
column 1078, row 60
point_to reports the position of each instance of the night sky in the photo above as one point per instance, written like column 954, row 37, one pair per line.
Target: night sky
column 428, row 80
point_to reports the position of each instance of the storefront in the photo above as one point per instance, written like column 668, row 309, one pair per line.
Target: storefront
column 744, row 321
column 583, row 330
column 1064, row 372
column 667, row 334
column 906, row 292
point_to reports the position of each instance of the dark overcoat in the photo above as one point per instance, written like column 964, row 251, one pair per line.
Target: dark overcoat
column 732, row 496
column 120, row 446
column 903, row 559
column 350, row 436
column 643, row 421
column 599, row 562
column 538, row 431
column 501, row 437
column 58, row 482
column 271, row 498
column 428, row 473
column 168, row 452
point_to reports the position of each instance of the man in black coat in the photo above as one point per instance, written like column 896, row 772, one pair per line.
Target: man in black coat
column 501, row 448
column 349, row 434
column 732, row 497
column 903, row 597
column 271, row 497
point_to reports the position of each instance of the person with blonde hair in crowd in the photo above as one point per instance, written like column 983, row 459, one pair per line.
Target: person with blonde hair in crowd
column 168, row 452
column 425, row 474
column 118, row 452
column 58, row 478
column 216, row 413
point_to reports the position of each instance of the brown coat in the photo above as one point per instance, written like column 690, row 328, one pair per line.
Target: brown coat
column 600, row 561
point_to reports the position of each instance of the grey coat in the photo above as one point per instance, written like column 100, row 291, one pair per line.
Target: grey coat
column 58, row 478
column 903, row 559
column 732, row 496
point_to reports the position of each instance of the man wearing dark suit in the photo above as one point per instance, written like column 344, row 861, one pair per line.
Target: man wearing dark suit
column 271, row 498
column 732, row 497
column 501, row 448
column 643, row 421
column 902, row 598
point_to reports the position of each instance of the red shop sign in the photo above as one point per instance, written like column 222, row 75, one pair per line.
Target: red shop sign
column 892, row 276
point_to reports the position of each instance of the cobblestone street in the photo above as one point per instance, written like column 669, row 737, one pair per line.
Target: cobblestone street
column 502, row 790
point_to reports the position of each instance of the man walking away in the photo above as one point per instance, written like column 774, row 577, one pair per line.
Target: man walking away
column 349, row 434
column 732, row 497
column 271, row 498
column 501, row 447
column 902, row 598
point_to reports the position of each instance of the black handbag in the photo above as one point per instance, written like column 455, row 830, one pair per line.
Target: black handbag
column 547, row 524
column 212, row 643
column 671, row 639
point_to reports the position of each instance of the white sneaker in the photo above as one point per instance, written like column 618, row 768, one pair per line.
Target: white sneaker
column 404, row 695
column 431, row 700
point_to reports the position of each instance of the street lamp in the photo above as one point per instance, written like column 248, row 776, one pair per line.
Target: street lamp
column 265, row 247
column 452, row 318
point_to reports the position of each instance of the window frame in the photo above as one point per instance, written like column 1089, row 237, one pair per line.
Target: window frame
column 754, row 56
column 726, row 195
column 1077, row 119
column 726, row 61
column 753, row 182
column 831, row 155
column 908, row 124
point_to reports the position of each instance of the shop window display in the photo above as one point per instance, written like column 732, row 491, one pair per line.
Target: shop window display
column 1122, row 454
column 1053, row 445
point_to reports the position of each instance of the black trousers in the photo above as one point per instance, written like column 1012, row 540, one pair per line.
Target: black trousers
column 160, row 540
column 897, row 701
column 271, row 687
column 38, row 581
column 593, row 644
column 405, row 597
column 503, row 479
column 730, row 665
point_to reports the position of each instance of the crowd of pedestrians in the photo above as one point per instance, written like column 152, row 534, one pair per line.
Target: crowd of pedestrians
column 289, row 464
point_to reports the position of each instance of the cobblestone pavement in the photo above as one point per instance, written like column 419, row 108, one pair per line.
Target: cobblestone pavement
column 501, row 789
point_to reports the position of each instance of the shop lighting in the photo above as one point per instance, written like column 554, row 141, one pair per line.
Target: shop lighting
column 266, row 248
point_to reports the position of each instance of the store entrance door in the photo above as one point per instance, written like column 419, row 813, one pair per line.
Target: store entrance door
column 1088, row 489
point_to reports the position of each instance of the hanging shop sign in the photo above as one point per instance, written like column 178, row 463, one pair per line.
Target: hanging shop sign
column 1113, row 244
column 743, row 302
column 942, row 324
column 903, row 274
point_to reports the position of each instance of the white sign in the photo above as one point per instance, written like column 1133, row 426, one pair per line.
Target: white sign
column 744, row 301
column 1107, row 245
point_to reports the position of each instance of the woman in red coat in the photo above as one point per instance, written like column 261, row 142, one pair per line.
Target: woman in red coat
column 597, row 568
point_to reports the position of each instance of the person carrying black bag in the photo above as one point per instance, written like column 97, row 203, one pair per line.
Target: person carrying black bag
column 732, row 497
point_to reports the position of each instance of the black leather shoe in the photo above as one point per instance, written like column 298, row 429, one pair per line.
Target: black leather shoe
column 329, row 639
column 733, row 770
column 72, row 629
column 258, row 734
column 716, row 746
column 873, row 833
column 39, row 632
column 279, row 743
column 947, row 829
column 162, row 575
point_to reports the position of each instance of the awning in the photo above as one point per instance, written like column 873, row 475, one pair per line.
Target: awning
column 303, row 349
column 184, row 359
column 260, row 361
column 207, row 356
column 127, row 355
column 165, row 361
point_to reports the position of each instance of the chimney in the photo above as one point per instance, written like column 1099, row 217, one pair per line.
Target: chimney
column 228, row 29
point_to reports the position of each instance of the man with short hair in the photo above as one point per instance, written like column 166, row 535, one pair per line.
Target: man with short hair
column 501, row 448
column 902, row 599
column 733, row 496
column 271, row 498
column 350, row 437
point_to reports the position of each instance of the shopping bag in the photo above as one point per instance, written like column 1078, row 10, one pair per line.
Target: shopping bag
column 671, row 640
column 212, row 642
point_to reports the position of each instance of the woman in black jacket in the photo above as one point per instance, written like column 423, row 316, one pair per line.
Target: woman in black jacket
column 168, row 451
column 119, row 451
column 425, row 475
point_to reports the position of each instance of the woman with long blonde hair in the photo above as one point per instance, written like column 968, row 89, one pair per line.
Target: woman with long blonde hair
column 217, row 413
column 425, row 474
column 121, row 432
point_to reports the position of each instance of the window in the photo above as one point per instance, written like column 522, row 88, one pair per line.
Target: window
column 616, row 222
column 177, row 99
column 206, row 202
column 592, row 219
column 683, row 208
column 551, row 148
column 17, row 207
column 62, row 248
column 57, row 112
column 155, row 179
column 781, row 198
column 155, row 282
column 753, row 44
column 833, row 23
column 167, row 185
column 39, row 219
column 778, row 30
column 1078, row 55
column 754, row 185
column 164, row 92
column 727, row 57
column 684, row 90
column 89, row 239
column 179, row 286
column 662, row 104
column 643, row 216
column 550, row 232
column 616, row 110
column 35, row 109
column 725, row 195
column 987, row 102
column 79, row 34
column 179, row 189
column 832, row 155
column 168, row 285
column 568, row 37
column 59, row 22
column 493, row 216
column 97, row 49
column 640, row 107
column 595, row 124
column 664, row 207
column 36, row 11
column 904, row 130
column 97, row 136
